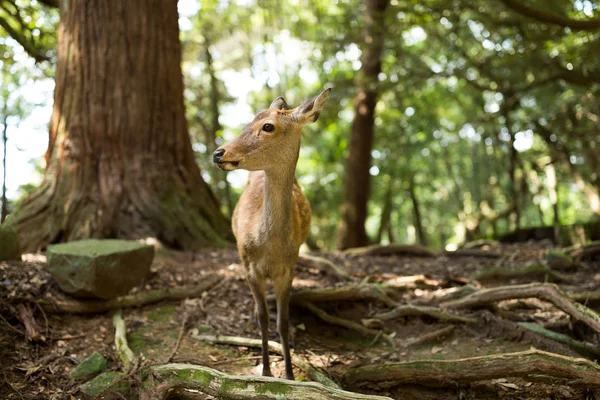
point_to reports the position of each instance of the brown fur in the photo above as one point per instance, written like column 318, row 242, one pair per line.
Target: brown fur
column 272, row 217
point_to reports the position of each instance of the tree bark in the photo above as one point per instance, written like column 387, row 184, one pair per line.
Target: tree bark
column 417, row 213
column 119, row 160
column 351, row 230
column 386, row 213
column 4, row 209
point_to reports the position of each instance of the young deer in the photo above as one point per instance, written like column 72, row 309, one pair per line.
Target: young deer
column 272, row 217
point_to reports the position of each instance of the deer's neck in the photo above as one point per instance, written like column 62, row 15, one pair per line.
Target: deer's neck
column 277, row 209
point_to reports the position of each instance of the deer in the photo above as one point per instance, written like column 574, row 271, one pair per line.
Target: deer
column 272, row 217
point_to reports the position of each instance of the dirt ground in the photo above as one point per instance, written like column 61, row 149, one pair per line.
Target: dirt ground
column 39, row 370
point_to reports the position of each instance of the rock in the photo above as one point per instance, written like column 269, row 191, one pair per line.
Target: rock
column 559, row 261
column 9, row 243
column 92, row 365
column 101, row 268
column 106, row 383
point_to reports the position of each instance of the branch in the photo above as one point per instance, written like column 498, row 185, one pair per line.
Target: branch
column 533, row 365
column 556, row 19
column 413, row 310
column 582, row 348
column 30, row 48
column 543, row 291
column 123, row 350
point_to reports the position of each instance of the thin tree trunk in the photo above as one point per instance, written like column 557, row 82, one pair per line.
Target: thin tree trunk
column 552, row 190
column 512, row 169
column 224, row 193
column 4, row 210
column 120, row 161
column 417, row 213
column 386, row 212
column 351, row 230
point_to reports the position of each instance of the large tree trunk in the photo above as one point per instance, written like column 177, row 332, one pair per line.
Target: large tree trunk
column 119, row 160
column 351, row 231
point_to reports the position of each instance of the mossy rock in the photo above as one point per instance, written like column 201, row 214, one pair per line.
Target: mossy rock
column 9, row 243
column 558, row 260
column 106, row 383
column 100, row 268
column 92, row 365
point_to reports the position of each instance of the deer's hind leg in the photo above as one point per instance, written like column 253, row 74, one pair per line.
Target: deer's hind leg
column 257, row 286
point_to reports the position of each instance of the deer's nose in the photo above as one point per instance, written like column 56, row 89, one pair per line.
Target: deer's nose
column 217, row 155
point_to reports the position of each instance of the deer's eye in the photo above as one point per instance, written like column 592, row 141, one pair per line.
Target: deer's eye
column 268, row 127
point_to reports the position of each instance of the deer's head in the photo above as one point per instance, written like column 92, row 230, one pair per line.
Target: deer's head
column 272, row 139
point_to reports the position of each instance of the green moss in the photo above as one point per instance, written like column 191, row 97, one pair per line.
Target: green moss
column 162, row 313
column 109, row 381
column 90, row 366
column 276, row 388
column 229, row 385
column 95, row 247
column 202, row 376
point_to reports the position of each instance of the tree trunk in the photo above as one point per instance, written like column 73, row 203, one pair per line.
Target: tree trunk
column 351, row 230
column 417, row 213
column 119, row 160
column 553, row 192
column 4, row 209
column 386, row 212
column 224, row 192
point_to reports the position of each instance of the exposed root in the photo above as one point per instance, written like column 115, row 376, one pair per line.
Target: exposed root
column 546, row 291
column 346, row 323
column 586, row 251
column 472, row 253
column 345, row 293
column 389, row 250
column 324, row 264
column 531, row 271
column 133, row 300
column 125, row 354
column 584, row 349
column 448, row 294
column 409, row 282
column 170, row 378
column 533, row 365
column 413, row 310
column 475, row 244
column 586, row 297
column 275, row 347
column 434, row 336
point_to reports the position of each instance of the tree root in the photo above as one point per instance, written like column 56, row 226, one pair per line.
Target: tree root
column 324, row 264
column 389, row 250
column 345, row 293
column 586, row 297
column 346, row 323
column 472, row 253
column 125, row 354
column 533, row 365
column 72, row 306
column 409, row 282
column 584, row 349
column 585, row 251
column 434, row 336
column 546, row 291
column 413, row 310
column 275, row 347
column 175, row 377
column 530, row 271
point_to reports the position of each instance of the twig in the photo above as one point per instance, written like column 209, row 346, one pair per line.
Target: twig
column 325, row 265
column 12, row 327
column 298, row 361
column 182, row 331
column 346, row 323
column 132, row 300
column 229, row 387
column 433, row 336
column 413, row 310
column 533, row 365
column 546, row 291
column 123, row 350
column 32, row 329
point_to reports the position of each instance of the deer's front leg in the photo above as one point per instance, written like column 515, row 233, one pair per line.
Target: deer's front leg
column 282, row 288
column 257, row 287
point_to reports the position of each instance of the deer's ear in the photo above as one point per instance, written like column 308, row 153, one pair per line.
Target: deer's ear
column 279, row 103
column 310, row 110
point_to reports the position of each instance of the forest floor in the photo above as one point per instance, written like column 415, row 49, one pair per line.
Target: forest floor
column 166, row 330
